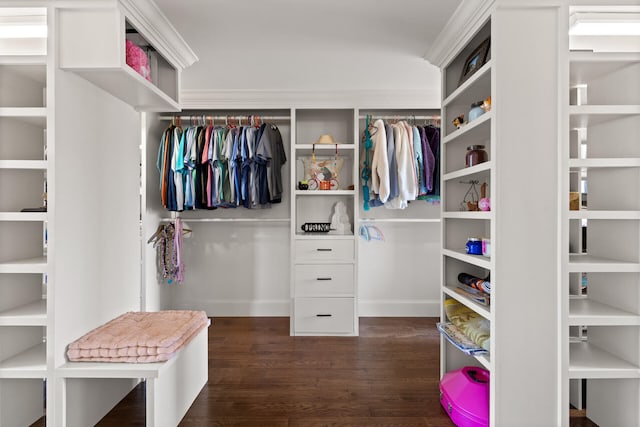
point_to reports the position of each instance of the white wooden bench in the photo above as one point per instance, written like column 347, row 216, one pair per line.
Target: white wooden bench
column 171, row 386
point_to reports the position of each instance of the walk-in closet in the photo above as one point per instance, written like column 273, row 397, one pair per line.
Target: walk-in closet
column 418, row 213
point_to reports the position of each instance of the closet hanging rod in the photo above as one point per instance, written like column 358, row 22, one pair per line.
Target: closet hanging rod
column 401, row 117
column 207, row 117
column 189, row 220
column 401, row 220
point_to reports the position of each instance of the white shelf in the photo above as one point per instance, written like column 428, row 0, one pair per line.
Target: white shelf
column 325, row 147
column 589, row 361
column 484, row 360
column 480, row 215
column 482, row 310
column 127, row 85
column 474, row 89
column 23, row 216
column 36, row 114
column 256, row 220
column 475, row 132
column 588, row 263
column 23, row 164
column 478, row 260
column 32, row 314
column 324, row 193
column 401, row 220
column 323, row 236
column 23, row 59
column 483, row 168
column 32, row 265
column 588, row 66
column 586, row 214
column 583, row 311
column 582, row 116
column 31, row 363
column 605, row 163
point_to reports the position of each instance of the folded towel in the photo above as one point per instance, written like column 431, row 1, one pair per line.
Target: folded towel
column 470, row 323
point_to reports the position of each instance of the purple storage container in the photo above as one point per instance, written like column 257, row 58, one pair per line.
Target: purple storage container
column 464, row 394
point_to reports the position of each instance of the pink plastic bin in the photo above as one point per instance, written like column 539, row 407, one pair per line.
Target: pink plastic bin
column 464, row 394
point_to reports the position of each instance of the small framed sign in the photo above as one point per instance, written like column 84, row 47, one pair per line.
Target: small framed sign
column 474, row 61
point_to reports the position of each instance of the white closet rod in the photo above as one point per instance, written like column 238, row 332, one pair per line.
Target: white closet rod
column 425, row 220
column 189, row 220
column 209, row 117
column 401, row 116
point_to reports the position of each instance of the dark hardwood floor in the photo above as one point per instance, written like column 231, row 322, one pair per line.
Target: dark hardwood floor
column 260, row 376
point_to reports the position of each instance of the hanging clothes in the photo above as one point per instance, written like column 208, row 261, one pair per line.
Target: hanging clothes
column 405, row 165
column 220, row 167
column 168, row 242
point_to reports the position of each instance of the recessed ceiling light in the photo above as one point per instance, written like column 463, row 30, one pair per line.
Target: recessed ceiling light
column 23, row 31
column 23, row 23
column 605, row 24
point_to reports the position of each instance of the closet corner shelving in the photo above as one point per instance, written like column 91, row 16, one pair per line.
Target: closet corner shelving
column 24, row 317
column 602, row 278
column 458, row 223
column 106, row 66
column 323, row 266
column 523, row 265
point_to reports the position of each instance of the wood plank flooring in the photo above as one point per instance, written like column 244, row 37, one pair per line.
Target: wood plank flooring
column 260, row 376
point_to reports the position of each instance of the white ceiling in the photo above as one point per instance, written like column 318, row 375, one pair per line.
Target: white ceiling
column 309, row 44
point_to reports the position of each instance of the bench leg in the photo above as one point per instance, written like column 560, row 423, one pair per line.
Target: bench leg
column 171, row 394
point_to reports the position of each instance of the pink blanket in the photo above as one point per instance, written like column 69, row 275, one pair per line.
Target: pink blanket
column 139, row 337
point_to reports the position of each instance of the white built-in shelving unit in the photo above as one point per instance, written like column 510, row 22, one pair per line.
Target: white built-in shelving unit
column 521, row 225
column 24, row 267
column 601, row 282
column 458, row 223
column 39, row 104
column 324, row 265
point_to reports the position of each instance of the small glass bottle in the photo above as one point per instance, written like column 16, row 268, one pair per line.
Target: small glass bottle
column 475, row 155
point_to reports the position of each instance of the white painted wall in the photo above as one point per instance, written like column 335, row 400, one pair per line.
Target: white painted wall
column 287, row 54
column 310, row 46
column 231, row 268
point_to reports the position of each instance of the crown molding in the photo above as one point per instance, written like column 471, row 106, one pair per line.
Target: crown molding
column 463, row 24
column 275, row 99
column 158, row 30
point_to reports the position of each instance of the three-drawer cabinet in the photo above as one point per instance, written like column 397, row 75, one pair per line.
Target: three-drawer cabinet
column 324, row 286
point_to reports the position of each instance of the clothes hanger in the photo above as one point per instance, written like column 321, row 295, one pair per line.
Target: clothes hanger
column 366, row 233
column 157, row 233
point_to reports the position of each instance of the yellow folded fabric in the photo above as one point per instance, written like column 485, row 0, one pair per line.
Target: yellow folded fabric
column 474, row 326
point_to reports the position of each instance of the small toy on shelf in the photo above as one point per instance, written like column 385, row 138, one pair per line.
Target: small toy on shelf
column 458, row 121
column 486, row 104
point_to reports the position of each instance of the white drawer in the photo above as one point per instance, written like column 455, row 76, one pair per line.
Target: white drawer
column 324, row 250
column 324, row 315
column 323, row 279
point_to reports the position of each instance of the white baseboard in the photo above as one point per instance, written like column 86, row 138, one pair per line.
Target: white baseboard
column 238, row 308
column 280, row 308
column 399, row 308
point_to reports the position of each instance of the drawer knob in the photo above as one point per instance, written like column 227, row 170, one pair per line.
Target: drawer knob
column 324, row 315
column 324, row 278
column 324, row 249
